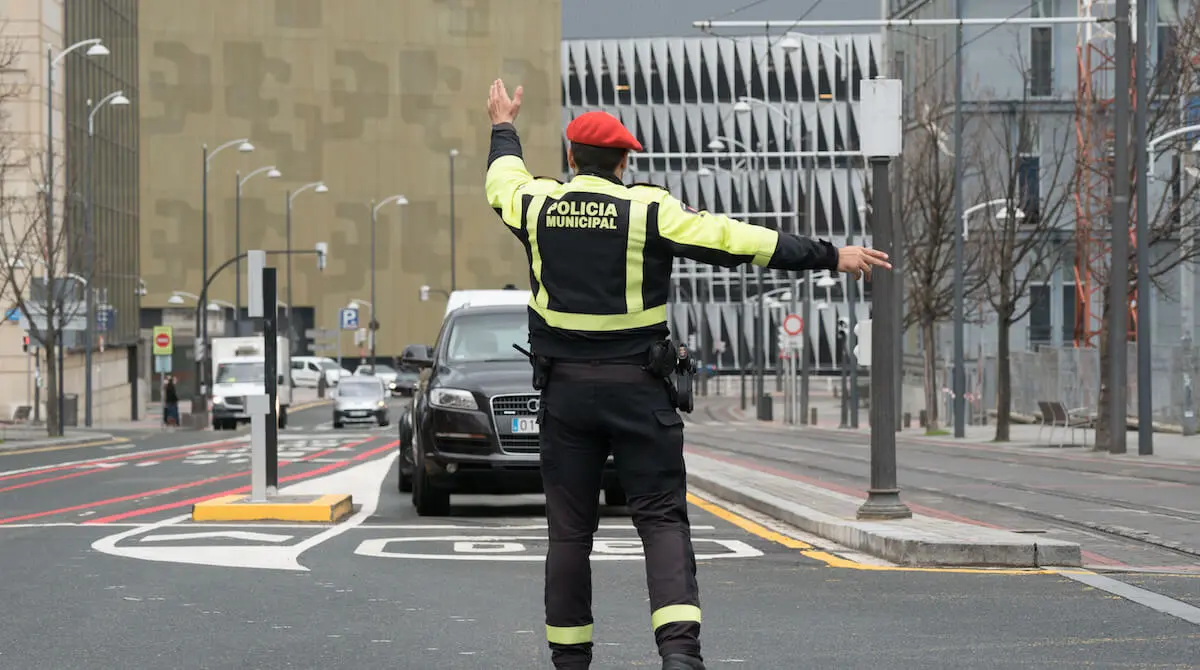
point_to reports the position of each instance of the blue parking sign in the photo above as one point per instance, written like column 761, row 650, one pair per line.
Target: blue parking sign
column 349, row 319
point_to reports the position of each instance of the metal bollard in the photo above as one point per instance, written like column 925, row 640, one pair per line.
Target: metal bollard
column 908, row 419
column 813, row 419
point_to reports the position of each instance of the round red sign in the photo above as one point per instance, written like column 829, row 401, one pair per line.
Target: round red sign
column 793, row 324
column 162, row 340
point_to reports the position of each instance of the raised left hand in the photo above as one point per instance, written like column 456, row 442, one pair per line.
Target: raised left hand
column 501, row 108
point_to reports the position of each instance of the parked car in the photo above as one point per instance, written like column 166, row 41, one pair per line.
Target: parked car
column 361, row 399
column 308, row 370
column 382, row 372
column 472, row 427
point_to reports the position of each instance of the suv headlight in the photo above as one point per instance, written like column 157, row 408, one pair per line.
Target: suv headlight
column 452, row 399
column 218, row 400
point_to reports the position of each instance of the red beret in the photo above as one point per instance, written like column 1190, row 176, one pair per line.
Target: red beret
column 601, row 129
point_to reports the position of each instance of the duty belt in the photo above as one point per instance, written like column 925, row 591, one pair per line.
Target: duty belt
column 613, row 370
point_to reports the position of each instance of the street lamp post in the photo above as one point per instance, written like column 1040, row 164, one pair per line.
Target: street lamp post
column 272, row 173
column 95, row 48
column 199, row 402
column 318, row 187
column 116, row 98
column 453, row 263
column 373, row 326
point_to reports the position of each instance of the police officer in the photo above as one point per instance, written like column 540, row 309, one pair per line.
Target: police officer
column 600, row 256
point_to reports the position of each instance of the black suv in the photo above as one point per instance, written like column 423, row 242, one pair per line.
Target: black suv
column 472, row 427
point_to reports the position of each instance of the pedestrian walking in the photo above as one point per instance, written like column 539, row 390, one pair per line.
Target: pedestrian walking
column 170, row 403
column 600, row 256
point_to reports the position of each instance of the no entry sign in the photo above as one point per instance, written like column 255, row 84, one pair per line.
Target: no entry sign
column 793, row 324
column 164, row 343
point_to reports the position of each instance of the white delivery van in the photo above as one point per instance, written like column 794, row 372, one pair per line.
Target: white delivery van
column 239, row 370
column 308, row 370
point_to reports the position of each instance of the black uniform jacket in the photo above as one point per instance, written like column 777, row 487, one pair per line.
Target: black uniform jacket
column 600, row 253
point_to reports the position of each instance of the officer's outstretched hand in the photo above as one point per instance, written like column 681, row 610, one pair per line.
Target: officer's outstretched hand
column 859, row 261
column 501, row 108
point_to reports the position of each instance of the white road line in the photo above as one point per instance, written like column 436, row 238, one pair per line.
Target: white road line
column 1155, row 601
column 315, row 526
column 126, row 456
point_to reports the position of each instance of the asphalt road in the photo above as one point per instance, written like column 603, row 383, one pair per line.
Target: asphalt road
column 100, row 568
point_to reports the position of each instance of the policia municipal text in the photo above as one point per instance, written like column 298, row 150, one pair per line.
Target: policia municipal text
column 600, row 258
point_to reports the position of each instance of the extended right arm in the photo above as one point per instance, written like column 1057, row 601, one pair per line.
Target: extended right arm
column 726, row 242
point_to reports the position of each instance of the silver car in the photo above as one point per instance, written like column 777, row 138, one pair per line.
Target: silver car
column 360, row 399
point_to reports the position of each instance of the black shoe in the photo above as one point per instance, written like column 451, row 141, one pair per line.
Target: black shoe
column 681, row 662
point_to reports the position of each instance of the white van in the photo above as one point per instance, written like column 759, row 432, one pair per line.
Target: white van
column 482, row 298
column 307, row 370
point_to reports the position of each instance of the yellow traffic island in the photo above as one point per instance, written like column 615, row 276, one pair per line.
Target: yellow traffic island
column 329, row 508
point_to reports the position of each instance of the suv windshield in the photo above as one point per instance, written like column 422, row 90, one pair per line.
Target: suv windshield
column 488, row 337
column 351, row 390
column 240, row 373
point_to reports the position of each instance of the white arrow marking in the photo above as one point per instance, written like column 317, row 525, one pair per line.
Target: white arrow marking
column 232, row 534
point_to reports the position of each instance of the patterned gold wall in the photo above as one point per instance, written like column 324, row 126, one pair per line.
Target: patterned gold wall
column 367, row 95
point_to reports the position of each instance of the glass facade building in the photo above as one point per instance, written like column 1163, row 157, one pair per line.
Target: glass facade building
column 104, row 164
column 678, row 97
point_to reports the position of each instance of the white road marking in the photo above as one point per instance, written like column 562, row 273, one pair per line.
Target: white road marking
column 101, row 459
column 513, row 549
column 364, row 482
column 1155, row 601
column 232, row 534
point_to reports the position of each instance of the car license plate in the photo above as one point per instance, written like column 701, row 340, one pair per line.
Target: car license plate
column 357, row 413
column 525, row 425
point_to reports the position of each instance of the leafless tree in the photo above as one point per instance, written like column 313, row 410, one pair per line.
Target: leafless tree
column 1026, row 188
column 926, row 207
column 1172, row 86
column 34, row 264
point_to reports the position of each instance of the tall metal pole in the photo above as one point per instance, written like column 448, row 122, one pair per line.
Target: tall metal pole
column 199, row 399
column 1118, row 326
column 287, row 231
column 809, row 229
column 959, row 385
column 760, row 357
column 883, row 498
column 848, row 211
column 374, row 325
column 741, row 324
column 90, row 304
column 453, row 237
column 237, row 251
column 1141, row 169
column 53, row 292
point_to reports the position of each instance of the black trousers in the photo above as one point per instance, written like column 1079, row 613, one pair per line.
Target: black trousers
column 588, row 412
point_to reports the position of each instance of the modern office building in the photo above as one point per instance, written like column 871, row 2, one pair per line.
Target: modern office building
column 112, row 181
column 680, row 97
column 370, row 98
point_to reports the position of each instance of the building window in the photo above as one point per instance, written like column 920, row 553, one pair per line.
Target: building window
column 1029, row 191
column 1041, row 61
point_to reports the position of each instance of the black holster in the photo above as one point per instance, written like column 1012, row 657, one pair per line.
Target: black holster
column 674, row 365
column 542, row 366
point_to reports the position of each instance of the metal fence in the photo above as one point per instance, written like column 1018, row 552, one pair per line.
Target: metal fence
column 1070, row 376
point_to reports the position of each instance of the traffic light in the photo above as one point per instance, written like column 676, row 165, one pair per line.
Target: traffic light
column 862, row 343
column 425, row 293
column 25, row 344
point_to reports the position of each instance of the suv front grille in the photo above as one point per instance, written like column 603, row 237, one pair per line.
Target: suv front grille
column 504, row 409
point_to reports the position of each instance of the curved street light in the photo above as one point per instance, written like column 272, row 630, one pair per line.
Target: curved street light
column 316, row 187
column 1003, row 214
column 272, row 173
column 94, row 48
column 373, row 326
column 115, row 99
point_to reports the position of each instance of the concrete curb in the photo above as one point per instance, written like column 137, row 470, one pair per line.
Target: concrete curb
column 921, row 541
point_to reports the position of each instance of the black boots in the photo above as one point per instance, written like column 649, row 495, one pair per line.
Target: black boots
column 681, row 662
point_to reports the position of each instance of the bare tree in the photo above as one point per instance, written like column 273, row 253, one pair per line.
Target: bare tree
column 1172, row 87
column 1020, row 232
column 926, row 206
column 34, row 246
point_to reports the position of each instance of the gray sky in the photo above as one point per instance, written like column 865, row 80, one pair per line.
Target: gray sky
column 673, row 18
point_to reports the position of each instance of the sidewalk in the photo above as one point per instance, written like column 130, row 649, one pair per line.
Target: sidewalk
column 32, row 436
column 919, row 541
column 1169, row 448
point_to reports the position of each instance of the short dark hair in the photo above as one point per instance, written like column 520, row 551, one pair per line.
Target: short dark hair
column 590, row 158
